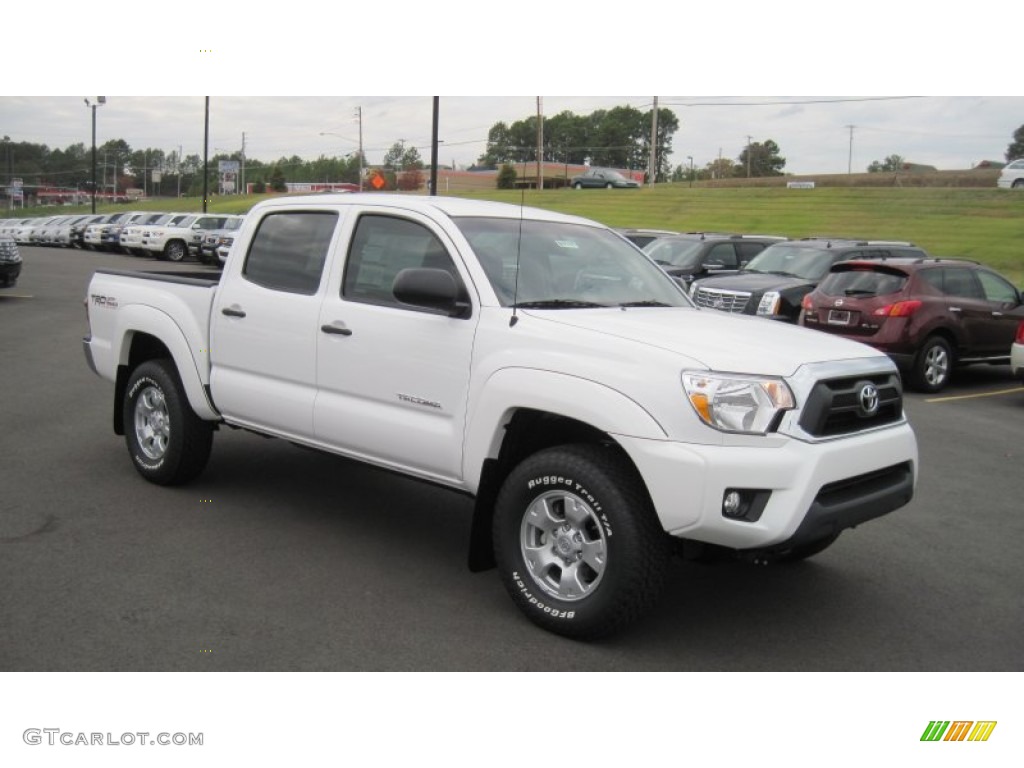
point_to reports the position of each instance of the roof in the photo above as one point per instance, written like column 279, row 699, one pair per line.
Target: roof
column 450, row 206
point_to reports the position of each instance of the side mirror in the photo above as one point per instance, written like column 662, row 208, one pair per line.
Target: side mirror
column 433, row 289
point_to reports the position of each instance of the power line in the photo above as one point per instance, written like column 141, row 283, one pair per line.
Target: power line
column 786, row 103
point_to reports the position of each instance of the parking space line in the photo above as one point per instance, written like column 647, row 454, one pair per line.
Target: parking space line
column 971, row 397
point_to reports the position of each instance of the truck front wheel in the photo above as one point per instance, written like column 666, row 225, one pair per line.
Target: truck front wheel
column 577, row 542
column 168, row 443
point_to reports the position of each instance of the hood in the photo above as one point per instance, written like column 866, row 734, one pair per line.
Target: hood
column 716, row 340
column 755, row 282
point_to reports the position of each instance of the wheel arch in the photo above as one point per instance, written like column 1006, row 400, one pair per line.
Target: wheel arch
column 149, row 335
column 526, row 432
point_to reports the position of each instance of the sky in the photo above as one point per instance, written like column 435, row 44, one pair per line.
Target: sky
column 814, row 133
column 835, row 90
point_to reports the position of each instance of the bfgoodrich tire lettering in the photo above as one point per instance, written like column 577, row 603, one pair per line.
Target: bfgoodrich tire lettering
column 168, row 443
column 578, row 545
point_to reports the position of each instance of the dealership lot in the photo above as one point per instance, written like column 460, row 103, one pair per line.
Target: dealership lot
column 279, row 558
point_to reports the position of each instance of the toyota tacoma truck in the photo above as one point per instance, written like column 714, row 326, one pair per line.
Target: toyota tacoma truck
column 535, row 361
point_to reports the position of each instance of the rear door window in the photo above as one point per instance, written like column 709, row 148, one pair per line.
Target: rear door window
column 289, row 250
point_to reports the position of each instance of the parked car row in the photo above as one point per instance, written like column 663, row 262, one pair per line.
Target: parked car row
column 930, row 315
column 165, row 236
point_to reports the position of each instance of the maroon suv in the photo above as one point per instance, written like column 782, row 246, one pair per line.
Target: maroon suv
column 928, row 315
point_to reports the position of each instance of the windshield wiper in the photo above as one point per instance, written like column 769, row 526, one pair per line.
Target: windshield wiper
column 859, row 292
column 557, row 304
column 644, row 303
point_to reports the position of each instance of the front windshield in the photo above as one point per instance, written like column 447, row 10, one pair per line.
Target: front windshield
column 806, row 263
column 544, row 264
column 675, row 253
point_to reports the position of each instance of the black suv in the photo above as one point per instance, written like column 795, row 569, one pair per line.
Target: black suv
column 775, row 282
column 693, row 255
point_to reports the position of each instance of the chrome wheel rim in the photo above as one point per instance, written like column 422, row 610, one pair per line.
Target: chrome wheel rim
column 936, row 366
column 563, row 545
column 152, row 423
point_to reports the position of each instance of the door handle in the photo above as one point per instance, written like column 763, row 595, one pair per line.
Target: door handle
column 997, row 313
column 955, row 309
column 233, row 311
column 338, row 330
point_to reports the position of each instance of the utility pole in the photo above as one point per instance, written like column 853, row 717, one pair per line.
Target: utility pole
column 241, row 183
column 179, row 170
column 749, row 138
column 433, row 147
column 652, row 163
column 359, row 116
column 206, row 154
column 849, row 161
column 540, row 144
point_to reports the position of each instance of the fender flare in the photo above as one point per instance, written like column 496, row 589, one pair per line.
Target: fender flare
column 510, row 389
column 138, row 318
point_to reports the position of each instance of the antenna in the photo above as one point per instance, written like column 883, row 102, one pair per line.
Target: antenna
column 519, row 246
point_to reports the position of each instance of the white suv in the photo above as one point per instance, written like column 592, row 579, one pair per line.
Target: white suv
column 1012, row 175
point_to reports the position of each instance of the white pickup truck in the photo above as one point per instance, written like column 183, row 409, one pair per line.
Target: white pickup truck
column 536, row 361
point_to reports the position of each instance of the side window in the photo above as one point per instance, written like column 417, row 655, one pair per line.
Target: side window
column 997, row 290
column 288, row 251
column 382, row 246
column 960, row 282
column 723, row 253
column 747, row 251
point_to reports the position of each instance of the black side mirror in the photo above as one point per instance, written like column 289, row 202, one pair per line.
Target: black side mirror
column 433, row 289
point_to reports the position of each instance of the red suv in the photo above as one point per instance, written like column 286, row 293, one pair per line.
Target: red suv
column 928, row 315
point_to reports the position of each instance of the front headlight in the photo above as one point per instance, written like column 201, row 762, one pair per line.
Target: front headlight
column 737, row 403
column 769, row 303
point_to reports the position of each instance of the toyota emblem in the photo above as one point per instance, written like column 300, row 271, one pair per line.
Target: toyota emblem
column 868, row 398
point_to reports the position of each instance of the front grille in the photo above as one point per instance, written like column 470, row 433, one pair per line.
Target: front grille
column 834, row 406
column 726, row 301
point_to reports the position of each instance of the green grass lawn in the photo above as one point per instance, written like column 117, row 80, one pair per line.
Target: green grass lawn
column 986, row 225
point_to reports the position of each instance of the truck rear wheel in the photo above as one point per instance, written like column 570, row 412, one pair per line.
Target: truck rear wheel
column 168, row 443
column 577, row 543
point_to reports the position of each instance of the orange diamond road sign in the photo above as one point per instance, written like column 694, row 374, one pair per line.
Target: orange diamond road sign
column 378, row 181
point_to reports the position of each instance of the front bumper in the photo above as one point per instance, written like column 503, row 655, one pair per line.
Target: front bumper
column 810, row 489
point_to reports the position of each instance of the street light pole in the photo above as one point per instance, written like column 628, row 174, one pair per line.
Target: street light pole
column 100, row 101
column 690, row 174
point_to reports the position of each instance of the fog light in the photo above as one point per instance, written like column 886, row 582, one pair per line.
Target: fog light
column 732, row 504
column 744, row 504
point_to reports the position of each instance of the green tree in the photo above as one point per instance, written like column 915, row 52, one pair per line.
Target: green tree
column 400, row 157
column 507, row 176
column 1016, row 149
column 890, row 164
column 762, row 159
column 277, row 182
column 618, row 137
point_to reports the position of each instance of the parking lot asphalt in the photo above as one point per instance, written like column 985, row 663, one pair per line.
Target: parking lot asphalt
column 280, row 558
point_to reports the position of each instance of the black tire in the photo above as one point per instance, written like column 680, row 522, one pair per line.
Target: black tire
column 803, row 551
column 168, row 443
column 577, row 185
column 605, row 551
column 933, row 365
column 1018, row 183
column 609, row 185
column 175, row 251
